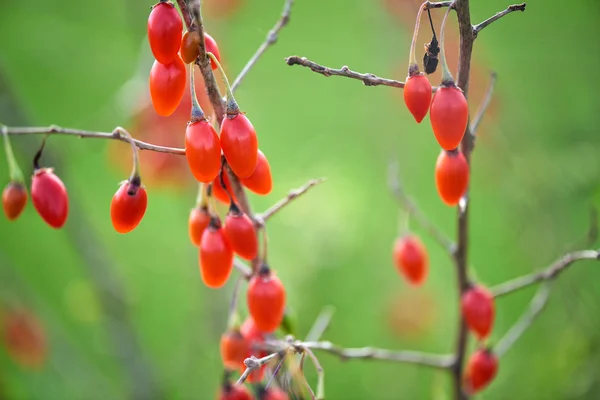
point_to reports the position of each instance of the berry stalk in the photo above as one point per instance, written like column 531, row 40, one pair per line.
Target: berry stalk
column 197, row 112
column 13, row 168
column 413, row 67
column 232, row 106
column 447, row 78
column 134, row 178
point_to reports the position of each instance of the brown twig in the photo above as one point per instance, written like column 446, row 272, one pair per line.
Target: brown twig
column 484, row 104
column 252, row 363
column 275, row 208
column 413, row 210
column 464, row 65
column 547, row 274
column 187, row 17
column 271, row 39
column 367, row 79
column 115, row 135
column 536, row 306
column 515, row 7
column 203, row 61
column 369, row 353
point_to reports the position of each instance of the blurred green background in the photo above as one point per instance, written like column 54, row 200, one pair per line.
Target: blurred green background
column 85, row 64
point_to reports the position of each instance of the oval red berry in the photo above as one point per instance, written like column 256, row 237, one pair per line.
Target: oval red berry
column 266, row 301
column 49, row 196
column 203, row 150
column 167, row 84
column 128, row 207
column 417, row 96
column 164, row 32
column 261, row 181
column 478, row 308
column 451, row 176
column 449, row 115
column 14, row 199
column 239, row 144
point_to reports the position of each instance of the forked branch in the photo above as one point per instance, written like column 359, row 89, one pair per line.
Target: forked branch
column 515, row 7
column 550, row 273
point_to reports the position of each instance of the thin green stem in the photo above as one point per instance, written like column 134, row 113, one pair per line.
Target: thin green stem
column 413, row 67
column 265, row 243
column 13, row 168
column 232, row 106
column 403, row 222
column 197, row 113
column 202, row 197
column 447, row 77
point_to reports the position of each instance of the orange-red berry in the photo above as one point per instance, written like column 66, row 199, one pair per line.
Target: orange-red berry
column 190, row 47
column 449, row 115
column 451, row 176
column 211, row 47
column 234, row 348
column 167, row 84
column 481, row 370
column 128, row 207
column 164, row 32
column 266, row 300
column 240, row 233
column 190, row 43
column 14, row 198
column 478, row 308
column 254, row 337
column 260, row 182
column 197, row 222
column 203, row 150
column 220, row 193
column 216, row 255
column 49, row 196
column 411, row 259
column 417, row 96
column 239, row 144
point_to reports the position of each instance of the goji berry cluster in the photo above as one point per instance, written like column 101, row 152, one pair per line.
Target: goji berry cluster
column 449, row 116
column 212, row 156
